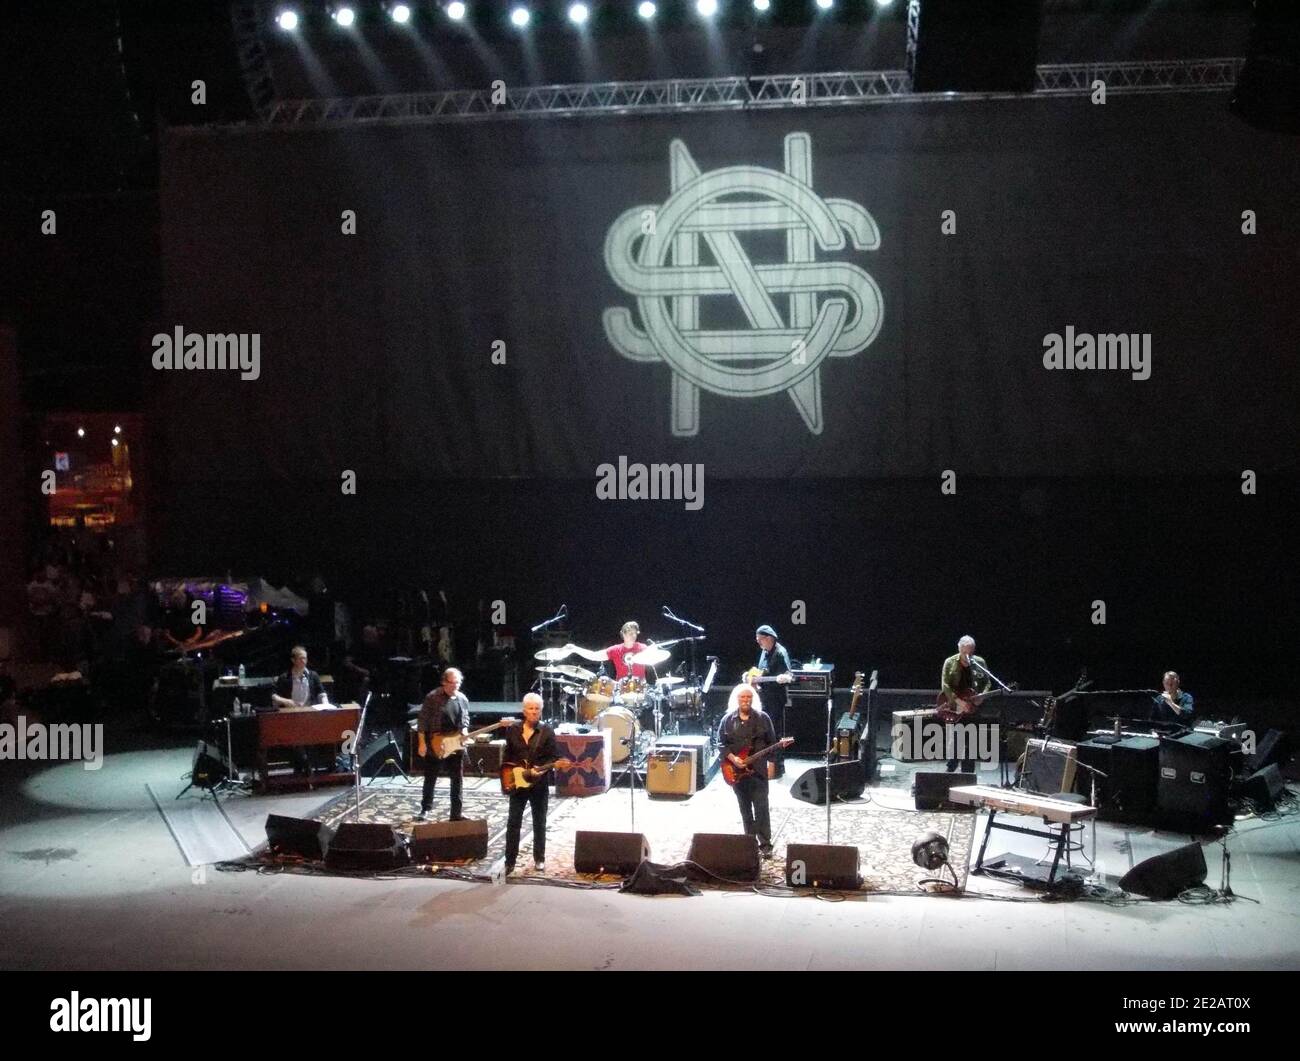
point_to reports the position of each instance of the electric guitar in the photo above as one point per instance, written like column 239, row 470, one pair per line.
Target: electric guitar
column 734, row 773
column 846, row 730
column 963, row 704
column 516, row 777
column 448, row 744
column 754, row 675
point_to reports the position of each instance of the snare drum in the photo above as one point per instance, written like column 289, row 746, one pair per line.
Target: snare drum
column 631, row 691
column 623, row 727
column 597, row 697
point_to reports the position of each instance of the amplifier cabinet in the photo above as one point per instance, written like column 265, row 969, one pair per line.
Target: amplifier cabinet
column 671, row 772
column 702, row 746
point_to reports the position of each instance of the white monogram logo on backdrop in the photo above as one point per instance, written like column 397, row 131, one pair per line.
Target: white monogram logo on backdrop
column 834, row 308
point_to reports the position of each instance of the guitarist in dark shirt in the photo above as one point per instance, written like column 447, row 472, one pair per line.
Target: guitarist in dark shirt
column 773, row 662
column 529, row 744
column 745, row 726
column 444, row 711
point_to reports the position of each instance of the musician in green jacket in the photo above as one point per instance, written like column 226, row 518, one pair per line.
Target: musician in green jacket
column 964, row 682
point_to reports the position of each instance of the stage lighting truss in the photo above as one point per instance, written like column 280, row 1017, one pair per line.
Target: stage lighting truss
column 741, row 93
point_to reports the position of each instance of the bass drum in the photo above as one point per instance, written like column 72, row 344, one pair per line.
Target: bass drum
column 623, row 730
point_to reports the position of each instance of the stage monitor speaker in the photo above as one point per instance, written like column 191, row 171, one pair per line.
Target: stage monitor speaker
column 930, row 787
column 366, row 846
column 1166, row 876
column 296, row 836
column 1263, row 787
column 449, row 841
column 958, row 46
column 847, row 782
column 1049, row 767
column 1273, row 748
column 822, row 866
column 731, row 856
column 614, row 853
column 379, row 751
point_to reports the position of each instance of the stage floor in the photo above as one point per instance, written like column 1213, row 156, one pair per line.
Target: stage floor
column 91, row 878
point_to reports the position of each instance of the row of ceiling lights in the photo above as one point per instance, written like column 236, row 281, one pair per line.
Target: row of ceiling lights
column 345, row 15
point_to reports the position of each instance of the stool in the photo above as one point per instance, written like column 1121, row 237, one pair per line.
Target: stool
column 1075, row 830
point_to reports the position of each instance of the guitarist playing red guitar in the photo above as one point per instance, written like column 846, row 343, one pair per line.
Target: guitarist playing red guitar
column 746, row 735
column 963, row 686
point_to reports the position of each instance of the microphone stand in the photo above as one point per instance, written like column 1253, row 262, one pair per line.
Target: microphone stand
column 1004, row 687
column 668, row 614
column 830, row 708
column 356, row 759
column 548, row 684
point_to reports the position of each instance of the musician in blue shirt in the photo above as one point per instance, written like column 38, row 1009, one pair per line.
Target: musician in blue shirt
column 1173, row 705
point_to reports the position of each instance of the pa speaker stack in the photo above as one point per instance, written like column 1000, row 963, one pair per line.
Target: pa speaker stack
column 958, row 46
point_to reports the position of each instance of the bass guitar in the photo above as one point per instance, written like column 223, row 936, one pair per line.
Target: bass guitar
column 733, row 773
column 448, row 744
column 516, row 777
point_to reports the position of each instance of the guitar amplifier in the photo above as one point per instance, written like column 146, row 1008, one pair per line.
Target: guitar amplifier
column 815, row 679
column 671, row 771
column 485, row 758
column 910, row 723
column 705, row 757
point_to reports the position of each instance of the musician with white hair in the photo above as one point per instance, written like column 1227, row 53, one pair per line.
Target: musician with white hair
column 963, row 683
column 529, row 744
column 745, row 730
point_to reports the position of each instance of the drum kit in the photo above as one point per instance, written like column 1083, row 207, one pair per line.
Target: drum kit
column 633, row 708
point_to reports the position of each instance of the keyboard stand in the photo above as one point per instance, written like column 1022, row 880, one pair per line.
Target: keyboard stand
column 1059, row 832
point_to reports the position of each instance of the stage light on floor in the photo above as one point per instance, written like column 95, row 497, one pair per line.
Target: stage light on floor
column 521, row 16
column 646, row 10
column 884, row 3
column 762, row 5
column 825, row 5
column 706, row 8
column 456, row 10
column 345, row 17
column 930, row 852
column 400, row 13
column 578, row 13
column 287, row 20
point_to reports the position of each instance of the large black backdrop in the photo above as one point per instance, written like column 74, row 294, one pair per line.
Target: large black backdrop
column 376, row 359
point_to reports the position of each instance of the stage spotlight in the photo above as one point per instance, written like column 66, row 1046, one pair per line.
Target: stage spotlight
column 344, row 16
column 646, row 10
column 287, row 20
column 117, row 429
column 400, row 13
column 762, row 5
column 930, row 851
column 115, row 442
column 884, row 3
column 520, row 16
column 456, row 10
column 825, row 5
column 706, row 8
column 578, row 14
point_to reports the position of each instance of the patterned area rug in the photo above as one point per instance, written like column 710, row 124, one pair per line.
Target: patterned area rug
column 883, row 835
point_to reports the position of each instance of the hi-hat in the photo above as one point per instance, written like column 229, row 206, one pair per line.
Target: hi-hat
column 671, row 679
column 650, row 657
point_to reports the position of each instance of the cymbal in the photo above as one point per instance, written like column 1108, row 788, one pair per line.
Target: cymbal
column 650, row 657
column 552, row 654
column 569, row 671
column 671, row 679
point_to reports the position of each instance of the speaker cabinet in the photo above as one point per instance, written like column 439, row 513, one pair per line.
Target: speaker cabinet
column 958, row 46
column 847, row 780
column 366, row 846
column 1049, row 767
column 1167, row 876
column 1192, row 790
column 296, row 836
column 671, row 772
column 1135, row 766
column 1263, row 787
column 449, row 841
column 822, row 866
column 614, row 853
column 930, row 787
column 1273, row 747
column 731, row 856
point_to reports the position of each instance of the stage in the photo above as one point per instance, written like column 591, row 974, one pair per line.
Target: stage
column 91, row 878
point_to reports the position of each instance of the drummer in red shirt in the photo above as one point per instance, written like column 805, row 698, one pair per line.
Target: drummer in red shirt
column 617, row 654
